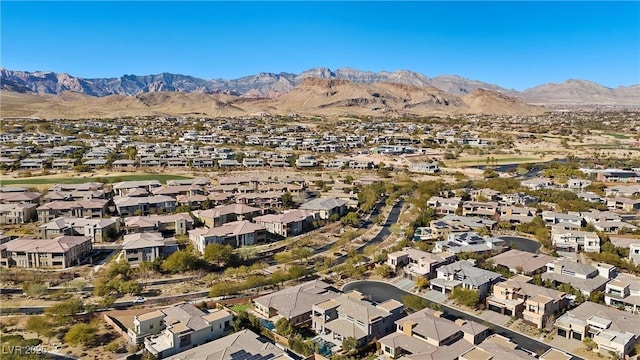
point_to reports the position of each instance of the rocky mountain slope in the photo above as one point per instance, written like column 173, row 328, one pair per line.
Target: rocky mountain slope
column 579, row 92
column 313, row 96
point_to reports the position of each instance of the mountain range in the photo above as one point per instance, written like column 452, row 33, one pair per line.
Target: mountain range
column 271, row 85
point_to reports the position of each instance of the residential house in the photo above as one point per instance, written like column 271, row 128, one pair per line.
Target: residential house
column 517, row 215
column 413, row 263
column 236, row 233
column 561, row 220
column 98, row 230
column 326, row 207
column 289, row 223
column 17, row 197
column 221, row 215
column 123, row 188
column 623, row 291
column 146, row 247
column 180, row 327
column 60, row 252
column 459, row 242
column 575, row 241
column 168, row 225
column 499, row 347
column 424, row 168
column 243, row 344
column 480, row 209
column 520, row 298
column 586, row 278
column 521, row 262
column 21, row 213
column 144, row 205
column 623, row 190
column 624, row 204
column 538, row 183
column 444, row 205
column 176, row 190
column 578, row 184
column 518, row 199
column 427, row 335
column 350, row 315
column 463, row 273
column 611, row 329
column 294, row 303
column 616, row 175
column 634, row 253
column 94, row 208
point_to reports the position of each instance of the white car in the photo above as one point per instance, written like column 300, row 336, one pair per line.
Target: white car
column 139, row 300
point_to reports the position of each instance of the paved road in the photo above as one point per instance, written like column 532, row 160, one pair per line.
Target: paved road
column 379, row 292
column 522, row 243
column 394, row 214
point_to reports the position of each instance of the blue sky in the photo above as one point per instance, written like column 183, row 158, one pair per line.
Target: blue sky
column 512, row 44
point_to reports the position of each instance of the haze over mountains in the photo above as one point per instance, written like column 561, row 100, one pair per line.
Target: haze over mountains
column 271, row 85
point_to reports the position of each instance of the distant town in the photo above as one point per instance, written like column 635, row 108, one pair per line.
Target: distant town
column 459, row 237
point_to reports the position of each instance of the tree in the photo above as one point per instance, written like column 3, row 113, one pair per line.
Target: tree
column 467, row 297
column 207, row 204
column 35, row 289
column 247, row 253
column 39, row 325
column 351, row 219
column 64, row 312
column 80, row 334
column 297, row 271
column 287, row 200
column 384, row 270
column 183, row 209
column 414, row 302
column 422, row 282
column 180, row 261
column 218, row 253
column 284, row 327
column 349, row 344
column 131, row 287
column 597, row 297
column 76, row 285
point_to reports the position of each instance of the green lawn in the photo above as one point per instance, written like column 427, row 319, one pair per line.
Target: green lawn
column 500, row 161
column 618, row 136
column 78, row 180
column 241, row 307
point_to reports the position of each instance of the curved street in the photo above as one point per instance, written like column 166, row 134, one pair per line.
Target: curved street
column 381, row 291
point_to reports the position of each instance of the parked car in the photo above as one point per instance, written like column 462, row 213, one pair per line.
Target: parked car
column 139, row 300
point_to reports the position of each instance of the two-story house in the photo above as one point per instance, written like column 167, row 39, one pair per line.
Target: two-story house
column 60, row 252
column 294, row 303
column 414, row 263
column 623, row 291
column 350, row 315
column 460, row 242
column 463, row 273
column 611, row 329
column 178, row 328
column 583, row 277
column 427, row 335
column 575, row 241
column 94, row 208
column 520, row 298
column 289, row 223
column 221, row 215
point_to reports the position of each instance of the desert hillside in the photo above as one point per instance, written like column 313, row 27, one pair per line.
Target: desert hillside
column 313, row 96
